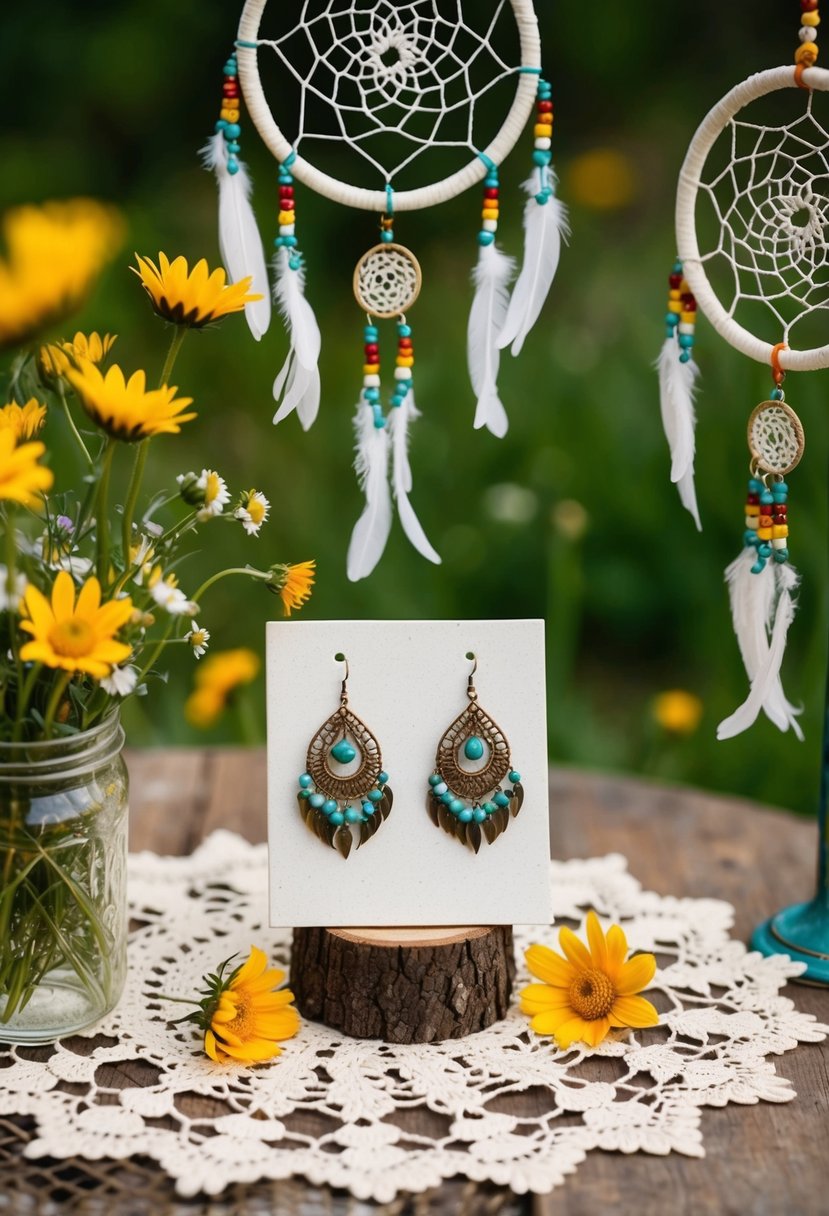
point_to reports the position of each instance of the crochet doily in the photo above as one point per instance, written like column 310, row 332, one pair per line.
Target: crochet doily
column 340, row 1111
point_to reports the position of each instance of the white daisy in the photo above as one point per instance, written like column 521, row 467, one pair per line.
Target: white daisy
column 252, row 511
column 170, row 597
column 215, row 492
column 120, row 682
column 198, row 639
column 11, row 603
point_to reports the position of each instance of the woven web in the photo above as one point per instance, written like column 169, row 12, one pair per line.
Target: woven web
column 768, row 245
column 391, row 80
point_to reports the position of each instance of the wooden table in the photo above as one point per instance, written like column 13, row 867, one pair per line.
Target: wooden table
column 765, row 1159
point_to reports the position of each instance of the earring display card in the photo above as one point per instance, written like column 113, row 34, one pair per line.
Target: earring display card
column 407, row 683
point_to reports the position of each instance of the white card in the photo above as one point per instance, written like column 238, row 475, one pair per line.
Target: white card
column 407, row 683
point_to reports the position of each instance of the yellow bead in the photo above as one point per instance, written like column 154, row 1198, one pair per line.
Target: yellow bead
column 780, row 530
column 684, row 289
column 489, row 213
column 287, row 217
column 371, row 369
column 542, row 128
column 810, row 19
column 688, row 317
column 806, row 53
column 405, row 361
column 764, row 533
column 674, row 294
column 752, row 509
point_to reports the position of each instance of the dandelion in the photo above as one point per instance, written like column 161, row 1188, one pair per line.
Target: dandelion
column 677, row 712
column 75, row 636
column 121, row 681
column 191, row 298
column 22, row 479
column 24, row 421
column 252, row 510
column 216, row 680
column 126, row 409
column 57, row 357
column 198, row 639
column 589, row 991
column 292, row 584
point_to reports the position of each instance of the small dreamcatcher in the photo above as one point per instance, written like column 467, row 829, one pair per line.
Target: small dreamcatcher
column 383, row 91
column 752, row 226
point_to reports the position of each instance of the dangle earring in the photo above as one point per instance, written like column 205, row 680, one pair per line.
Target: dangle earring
column 344, row 785
column 466, row 797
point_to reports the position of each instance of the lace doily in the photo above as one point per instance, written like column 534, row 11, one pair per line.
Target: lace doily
column 722, row 1015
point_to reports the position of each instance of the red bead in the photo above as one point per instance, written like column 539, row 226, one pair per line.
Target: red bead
column 808, row 6
column 371, row 348
column 780, row 508
column 689, row 304
column 491, row 192
column 544, row 107
column 753, row 499
column 286, row 193
column 675, row 281
column 230, row 89
column 404, row 343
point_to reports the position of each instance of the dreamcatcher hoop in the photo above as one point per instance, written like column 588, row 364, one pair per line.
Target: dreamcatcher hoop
column 759, row 85
column 377, row 200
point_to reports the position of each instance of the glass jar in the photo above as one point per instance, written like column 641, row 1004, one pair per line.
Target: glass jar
column 63, row 868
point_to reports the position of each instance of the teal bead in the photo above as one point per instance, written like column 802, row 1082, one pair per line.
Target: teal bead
column 486, row 238
column 441, row 788
column 397, row 402
column 295, row 261
column 767, row 498
column 371, row 394
column 489, row 807
column 456, row 806
column 686, row 340
column 434, row 779
column 501, row 799
column 677, row 268
column 329, row 806
column 376, row 795
column 382, row 778
column 514, row 777
column 233, row 130
column 465, row 816
column 305, row 793
column 764, row 550
column 404, row 331
column 232, row 165
column 749, row 537
column 370, row 332
column 379, row 421
column 781, row 555
column 776, row 394
column 233, row 146
column 448, row 798
column 755, row 485
column 369, row 808
column 473, row 749
column 479, row 814
column 352, row 815
column 343, row 752
column 672, row 318
column 220, row 125
column 317, row 800
column 386, row 236
column 685, row 357
column 338, row 818
column 541, row 158
column 305, row 780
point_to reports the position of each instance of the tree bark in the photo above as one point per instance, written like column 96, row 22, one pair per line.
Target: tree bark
column 403, row 985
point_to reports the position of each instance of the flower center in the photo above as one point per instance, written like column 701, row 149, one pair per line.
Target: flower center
column 72, row 638
column 211, row 490
column 256, row 511
column 591, row 995
column 241, row 1024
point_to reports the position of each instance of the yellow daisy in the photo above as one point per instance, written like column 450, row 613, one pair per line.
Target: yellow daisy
column 24, row 421
column 215, row 681
column 57, row 357
column 292, row 584
column 126, row 409
column 591, row 989
column 248, row 1016
column 22, row 479
column 193, row 298
column 76, row 636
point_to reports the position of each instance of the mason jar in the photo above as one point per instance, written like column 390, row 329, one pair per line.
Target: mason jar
column 63, row 896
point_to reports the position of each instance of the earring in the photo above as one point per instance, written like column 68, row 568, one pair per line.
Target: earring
column 344, row 785
column 466, row 797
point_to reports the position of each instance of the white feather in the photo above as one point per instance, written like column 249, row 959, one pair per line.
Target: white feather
column 371, row 531
column 676, row 401
column 762, row 609
column 239, row 241
column 401, row 417
column 545, row 226
column 486, row 320
column 298, row 383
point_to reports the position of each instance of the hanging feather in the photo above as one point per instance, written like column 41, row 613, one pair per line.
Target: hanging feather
column 239, row 241
column 298, row 383
column 371, row 531
column 401, row 418
column 762, row 609
column 676, row 401
column 486, row 321
column 545, row 225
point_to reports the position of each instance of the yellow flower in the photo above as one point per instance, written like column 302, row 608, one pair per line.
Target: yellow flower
column 193, row 298
column 77, row 636
column 24, row 421
column 54, row 255
column 677, row 711
column 57, row 357
column 247, row 1016
column 215, row 680
column 292, row 584
column 22, row 479
column 126, row 409
column 589, row 991
column 603, row 179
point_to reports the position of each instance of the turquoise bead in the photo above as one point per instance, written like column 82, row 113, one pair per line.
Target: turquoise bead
column 405, row 331
column 305, row 793
column 352, row 815
column 764, row 550
column 317, row 800
column 371, row 332
column 232, row 166
column 233, row 146
column 473, row 749
column 501, row 799
column 479, row 814
column 382, row 778
column 758, row 567
column 755, row 485
column 486, row 238
column 465, row 816
column 434, row 779
column 386, row 236
column 514, row 777
column 220, row 125
column 686, row 340
column 767, row 498
column 305, row 780
column 233, row 130
column 781, row 555
column 776, row 394
column 329, row 806
column 371, row 394
column 343, row 752
column 448, row 798
column 337, row 818
column 369, row 808
column 456, row 806
column 376, row 795
column 671, row 318
column 541, row 158
column 379, row 420
column 441, row 788
column 781, row 487
column 489, row 807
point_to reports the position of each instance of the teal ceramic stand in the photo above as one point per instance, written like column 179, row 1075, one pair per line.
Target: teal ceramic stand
column 802, row 930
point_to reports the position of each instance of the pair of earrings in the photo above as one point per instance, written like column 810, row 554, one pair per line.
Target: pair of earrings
column 344, row 792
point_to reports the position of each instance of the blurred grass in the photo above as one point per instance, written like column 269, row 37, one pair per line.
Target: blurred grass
column 117, row 101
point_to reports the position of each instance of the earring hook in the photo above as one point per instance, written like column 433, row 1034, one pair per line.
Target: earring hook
column 470, row 683
column 344, row 687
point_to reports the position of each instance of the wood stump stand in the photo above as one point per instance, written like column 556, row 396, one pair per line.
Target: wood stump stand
column 403, row 985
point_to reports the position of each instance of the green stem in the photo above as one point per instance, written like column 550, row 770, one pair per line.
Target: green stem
column 102, row 529
column 179, row 334
column 248, row 570
column 73, row 428
column 23, row 700
column 156, row 651
column 54, row 701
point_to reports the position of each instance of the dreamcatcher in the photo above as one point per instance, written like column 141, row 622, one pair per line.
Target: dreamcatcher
column 751, row 221
column 380, row 89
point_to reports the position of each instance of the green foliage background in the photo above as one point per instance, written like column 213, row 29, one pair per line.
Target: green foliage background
column 115, row 100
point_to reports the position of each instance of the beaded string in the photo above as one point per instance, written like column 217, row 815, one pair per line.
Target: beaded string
column 807, row 53
column 682, row 312
column 228, row 121
column 404, row 361
column 543, row 133
column 490, row 210
column 767, row 524
column 287, row 214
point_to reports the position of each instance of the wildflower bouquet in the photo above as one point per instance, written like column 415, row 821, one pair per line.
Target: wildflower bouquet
column 89, row 591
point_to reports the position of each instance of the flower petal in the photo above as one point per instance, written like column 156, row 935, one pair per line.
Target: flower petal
column 575, row 949
column 254, row 1051
column 571, row 1032
column 536, row 998
column 596, row 1031
column 596, row 941
column 549, row 966
column 550, row 1021
column 210, row 1046
column 617, row 948
column 633, row 1011
column 636, row 974
column 63, row 596
column 252, row 968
